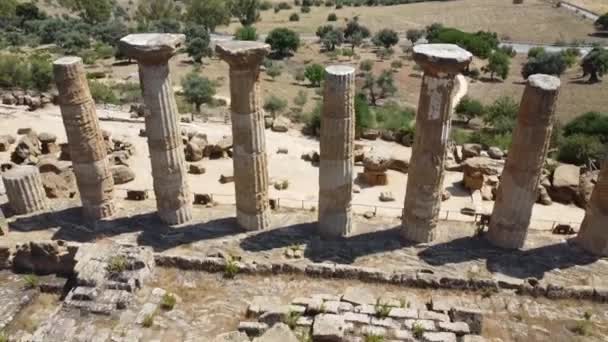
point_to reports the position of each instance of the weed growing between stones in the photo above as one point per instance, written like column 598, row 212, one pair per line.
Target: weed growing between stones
column 168, row 302
column 584, row 326
column 292, row 319
column 148, row 320
column 3, row 337
column 302, row 336
column 31, row 282
column 116, row 264
column 382, row 309
column 231, row 268
column 404, row 303
column 374, row 338
column 417, row 330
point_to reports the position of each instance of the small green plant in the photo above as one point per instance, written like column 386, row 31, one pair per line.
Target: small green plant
column 304, row 336
column 587, row 315
column 322, row 308
column 374, row 338
column 582, row 328
column 3, row 337
column 231, row 268
column 117, row 264
column 417, row 330
column 488, row 292
column 31, row 281
column 404, row 303
column 292, row 319
column 168, row 302
column 382, row 309
column 148, row 320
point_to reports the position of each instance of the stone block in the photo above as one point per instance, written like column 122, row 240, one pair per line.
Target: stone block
column 438, row 337
column 473, row 317
column 458, row 328
column 252, row 329
column 278, row 333
column 328, row 328
column 358, row 296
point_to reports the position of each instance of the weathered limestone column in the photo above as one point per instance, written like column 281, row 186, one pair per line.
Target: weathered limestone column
column 518, row 188
column 24, row 189
column 593, row 235
column 440, row 63
column 337, row 139
column 85, row 140
column 249, row 143
column 152, row 52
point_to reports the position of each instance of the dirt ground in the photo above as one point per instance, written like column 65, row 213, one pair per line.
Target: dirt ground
column 597, row 6
column 302, row 176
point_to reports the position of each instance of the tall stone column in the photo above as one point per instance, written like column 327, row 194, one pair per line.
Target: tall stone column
column 440, row 63
column 337, row 138
column 518, row 188
column 249, row 143
column 24, row 189
column 152, row 52
column 85, row 140
column 593, row 235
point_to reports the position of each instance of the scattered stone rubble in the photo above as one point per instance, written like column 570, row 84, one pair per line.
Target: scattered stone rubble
column 32, row 100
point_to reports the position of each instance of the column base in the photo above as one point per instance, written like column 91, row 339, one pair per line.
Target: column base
column 421, row 231
column 176, row 217
column 593, row 235
column 506, row 235
column 335, row 225
column 259, row 221
column 99, row 212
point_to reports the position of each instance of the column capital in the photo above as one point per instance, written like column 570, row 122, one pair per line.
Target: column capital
column 242, row 54
column 151, row 48
column 438, row 59
column 544, row 82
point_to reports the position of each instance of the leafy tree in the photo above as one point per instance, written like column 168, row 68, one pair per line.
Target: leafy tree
column 209, row 13
column 386, row 38
column 602, row 22
column 198, row 90
column 246, row 33
column 197, row 42
column 152, row 10
column 95, row 11
column 274, row 71
column 545, row 63
column 498, row 64
column 536, row 51
column 246, row 11
column 570, row 56
column 28, row 11
column 315, row 73
column 469, row 109
column 323, row 30
column 414, row 35
column 110, row 32
column 333, row 38
column 502, row 115
column 274, row 105
column 355, row 33
column 283, row 41
column 590, row 124
column 7, row 8
column 294, row 17
column 595, row 64
column 580, row 148
column 386, row 83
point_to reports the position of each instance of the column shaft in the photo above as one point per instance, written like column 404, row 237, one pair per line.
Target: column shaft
column 337, row 163
column 165, row 144
column 518, row 188
column 425, row 175
column 593, row 235
column 24, row 189
column 249, row 148
column 85, row 140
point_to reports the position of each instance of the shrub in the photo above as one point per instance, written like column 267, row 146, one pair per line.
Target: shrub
column 591, row 124
column 102, row 93
column 332, row 17
column 366, row 65
column 283, row 41
column 396, row 64
column 386, row 38
column 41, row 72
column 31, row 281
column 231, row 269
column 536, row 51
column 469, row 109
column 474, row 73
column 274, row 71
column 502, row 115
column 305, row 9
column 330, row 3
column 265, row 5
column 498, row 64
column 481, row 44
column 274, row 104
column 374, row 338
column 299, row 75
column 393, row 117
column 545, row 63
column 283, row 5
column 364, row 117
column 417, row 330
column 116, row 264
column 148, row 320
column 246, row 33
column 315, row 73
column 579, row 148
column 198, row 90
column 300, row 99
column 168, row 302
column 294, row 17
column 382, row 309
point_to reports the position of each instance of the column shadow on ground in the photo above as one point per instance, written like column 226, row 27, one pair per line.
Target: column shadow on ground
column 533, row 262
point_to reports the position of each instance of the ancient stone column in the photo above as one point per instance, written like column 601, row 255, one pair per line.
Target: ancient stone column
column 152, row 52
column 593, row 235
column 89, row 157
column 24, row 189
column 249, row 143
column 336, row 164
column 440, row 63
column 518, row 188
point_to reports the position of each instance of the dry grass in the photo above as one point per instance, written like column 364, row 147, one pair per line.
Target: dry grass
column 575, row 98
column 35, row 313
column 597, row 6
column 534, row 21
